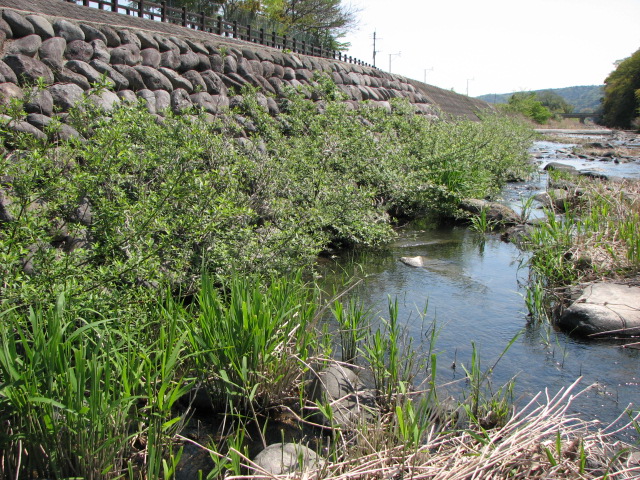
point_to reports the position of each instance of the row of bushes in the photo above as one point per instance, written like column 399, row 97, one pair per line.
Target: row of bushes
column 139, row 203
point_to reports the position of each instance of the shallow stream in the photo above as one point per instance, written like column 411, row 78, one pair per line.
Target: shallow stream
column 472, row 288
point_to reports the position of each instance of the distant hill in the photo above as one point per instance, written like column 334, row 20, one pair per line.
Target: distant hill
column 585, row 99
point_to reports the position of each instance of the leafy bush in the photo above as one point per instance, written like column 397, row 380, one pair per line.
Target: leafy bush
column 142, row 203
column 528, row 105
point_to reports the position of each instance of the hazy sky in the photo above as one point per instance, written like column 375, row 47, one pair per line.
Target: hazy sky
column 498, row 46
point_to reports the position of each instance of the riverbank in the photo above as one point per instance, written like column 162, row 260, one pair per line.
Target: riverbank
column 587, row 241
column 105, row 236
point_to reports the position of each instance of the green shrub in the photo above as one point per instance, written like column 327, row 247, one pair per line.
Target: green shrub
column 527, row 104
column 170, row 199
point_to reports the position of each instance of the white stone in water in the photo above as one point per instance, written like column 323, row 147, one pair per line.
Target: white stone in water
column 418, row 261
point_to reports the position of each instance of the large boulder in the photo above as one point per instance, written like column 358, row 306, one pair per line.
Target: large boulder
column 100, row 51
column 65, row 95
column 64, row 75
column 341, row 389
column 496, row 212
column 180, row 101
column 153, row 79
column 87, row 71
column 150, row 57
column 39, row 101
column 113, row 40
column 20, row 26
column 176, row 79
column 128, row 54
column 286, row 458
column 604, row 309
column 120, row 80
column 556, row 199
column 91, row 34
column 215, row 85
column 105, row 100
column 8, row 91
column 196, row 80
column 28, row 45
column 29, row 70
column 6, row 74
column 79, row 50
column 21, row 126
column 52, row 52
column 67, row 30
column 131, row 74
column 561, row 167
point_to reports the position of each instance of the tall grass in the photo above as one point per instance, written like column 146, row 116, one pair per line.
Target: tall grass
column 250, row 340
column 78, row 393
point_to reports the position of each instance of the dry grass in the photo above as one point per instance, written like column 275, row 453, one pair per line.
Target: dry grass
column 541, row 441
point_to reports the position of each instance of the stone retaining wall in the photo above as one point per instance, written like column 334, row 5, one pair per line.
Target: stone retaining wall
column 173, row 68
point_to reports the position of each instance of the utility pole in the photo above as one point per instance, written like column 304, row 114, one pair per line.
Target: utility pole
column 374, row 48
column 392, row 55
column 469, row 80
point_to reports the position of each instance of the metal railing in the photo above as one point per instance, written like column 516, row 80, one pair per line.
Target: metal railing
column 217, row 25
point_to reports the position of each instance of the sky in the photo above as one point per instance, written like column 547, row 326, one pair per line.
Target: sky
column 478, row 47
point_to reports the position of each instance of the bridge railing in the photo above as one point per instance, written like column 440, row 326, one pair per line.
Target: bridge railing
column 217, row 25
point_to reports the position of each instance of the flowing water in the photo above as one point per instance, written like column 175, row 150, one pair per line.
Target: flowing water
column 471, row 286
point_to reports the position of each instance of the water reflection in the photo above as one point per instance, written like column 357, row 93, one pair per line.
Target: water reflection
column 475, row 297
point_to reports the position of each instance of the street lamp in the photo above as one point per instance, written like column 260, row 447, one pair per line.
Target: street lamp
column 425, row 73
column 392, row 55
column 469, row 80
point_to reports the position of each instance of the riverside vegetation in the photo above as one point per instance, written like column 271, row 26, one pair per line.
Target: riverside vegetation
column 154, row 256
column 593, row 234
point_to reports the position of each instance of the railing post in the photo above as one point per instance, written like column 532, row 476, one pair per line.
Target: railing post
column 100, row 5
column 202, row 21
column 304, row 47
column 294, row 48
column 141, row 8
column 249, row 32
column 114, row 6
column 85, row 3
column 163, row 11
column 235, row 29
column 273, row 39
column 262, row 36
column 219, row 25
column 284, row 42
column 184, row 16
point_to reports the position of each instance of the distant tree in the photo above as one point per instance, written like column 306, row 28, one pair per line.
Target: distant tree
column 526, row 104
column 327, row 21
column 621, row 98
column 554, row 102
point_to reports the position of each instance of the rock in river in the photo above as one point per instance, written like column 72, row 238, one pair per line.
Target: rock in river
column 286, row 458
column 604, row 309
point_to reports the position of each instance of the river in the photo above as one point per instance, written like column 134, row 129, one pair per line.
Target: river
column 472, row 291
